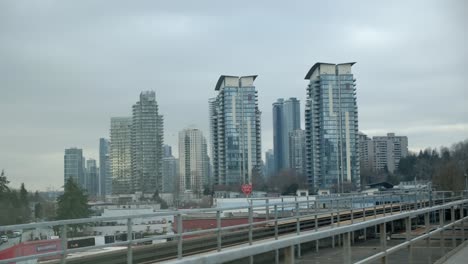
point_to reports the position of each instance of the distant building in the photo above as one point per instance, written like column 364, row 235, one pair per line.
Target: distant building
column 269, row 163
column 388, row 150
column 366, row 152
column 147, row 144
column 167, row 150
column 170, row 174
column 286, row 118
column 193, row 162
column 331, row 121
column 105, row 179
column 74, row 166
column 92, row 178
column 120, row 155
column 297, row 151
column 235, row 131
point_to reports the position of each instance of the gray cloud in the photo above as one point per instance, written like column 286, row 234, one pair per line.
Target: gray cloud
column 66, row 67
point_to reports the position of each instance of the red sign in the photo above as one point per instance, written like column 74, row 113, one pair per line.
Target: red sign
column 246, row 188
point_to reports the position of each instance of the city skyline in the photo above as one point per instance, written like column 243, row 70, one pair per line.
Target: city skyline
column 59, row 90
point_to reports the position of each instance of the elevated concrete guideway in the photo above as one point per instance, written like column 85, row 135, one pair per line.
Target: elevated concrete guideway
column 285, row 231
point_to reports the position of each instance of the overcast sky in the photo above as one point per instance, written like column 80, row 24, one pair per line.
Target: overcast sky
column 66, row 67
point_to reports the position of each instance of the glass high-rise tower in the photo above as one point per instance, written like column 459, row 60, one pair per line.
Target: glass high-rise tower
column 286, row 119
column 331, row 118
column 74, row 167
column 235, row 131
column 105, row 181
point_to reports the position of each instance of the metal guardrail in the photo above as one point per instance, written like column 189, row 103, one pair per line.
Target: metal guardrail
column 297, row 209
column 288, row 243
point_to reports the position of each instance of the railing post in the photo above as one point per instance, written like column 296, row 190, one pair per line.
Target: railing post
column 267, row 209
column 250, row 223
column 408, row 238
column 383, row 203
column 375, row 206
column 391, row 204
column 427, row 224
column 401, row 203
column 316, row 225
column 383, row 241
column 346, row 248
column 441, row 224
column 462, row 215
column 364, row 209
column 129, row 240
column 218, row 226
column 338, row 211
column 452, row 218
column 298, row 228
column 276, row 222
column 64, row 242
column 180, row 235
column 276, row 233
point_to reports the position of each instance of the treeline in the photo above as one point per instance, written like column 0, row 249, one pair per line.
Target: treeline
column 21, row 206
column 446, row 168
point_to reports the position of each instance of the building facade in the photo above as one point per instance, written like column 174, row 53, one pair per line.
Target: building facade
column 193, row 162
column 120, row 155
column 388, row 150
column 167, row 151
column 297, row 151
column 147, row 144
column 74, row 167
column 92, row 178
column 105, row 180
column 286, row 119
column 170, row 174
column 331, row 118
column 366, row 152
column 235, row 131
column 269, row 163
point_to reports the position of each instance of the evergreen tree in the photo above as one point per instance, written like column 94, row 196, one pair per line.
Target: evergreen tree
column 73, row 203
column 3, row 184
column 24, row 195
column 159, row 200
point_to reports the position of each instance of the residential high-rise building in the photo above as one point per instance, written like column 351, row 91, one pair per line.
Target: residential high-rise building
column 92, row 178
column 120, row 155
column 193, row 162
column 331, row 118
column 366, row 152
column 147, row 144
column 170, row 174
column 388, row 150
column 269, row 163
column 105, row 180
column 74, row 166
column 167, row 150
column 286, row 118
column 297, row 151
column 235, row 131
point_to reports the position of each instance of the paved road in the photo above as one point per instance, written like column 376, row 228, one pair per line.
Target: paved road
column 26, row 236
column 11, row 242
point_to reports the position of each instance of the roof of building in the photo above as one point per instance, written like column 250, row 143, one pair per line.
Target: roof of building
column 316, row 65
column 222, row 77
column 386, row 185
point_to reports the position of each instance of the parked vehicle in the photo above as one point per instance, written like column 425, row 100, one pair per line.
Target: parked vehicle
column 17, row 233
column 4, row 238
